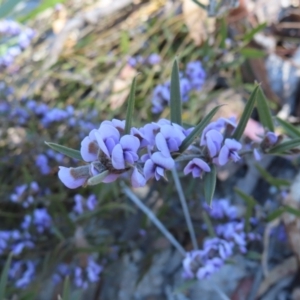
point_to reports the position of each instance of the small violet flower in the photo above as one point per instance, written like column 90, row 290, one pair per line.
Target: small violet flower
column 229, row 151
column 196, row 166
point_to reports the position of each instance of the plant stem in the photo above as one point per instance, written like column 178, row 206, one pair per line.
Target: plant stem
column 153, row 218
column 185, row 209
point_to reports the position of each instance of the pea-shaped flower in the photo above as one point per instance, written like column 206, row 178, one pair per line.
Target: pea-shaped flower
column 125, row 151
column 214, row 141
column 156, row 165
column 196, row 166
column 229, row 151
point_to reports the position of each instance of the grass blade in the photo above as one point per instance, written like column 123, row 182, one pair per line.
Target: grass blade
column 197, row 130
column 270, row 179
column 175, row 102
column 285, row 146
column 249, row 35
column 251, row 202
column 245, row 116
column 290, row 130
column 65, row 150
column 210, row 180
column 4, row 276
column 130, row 107
column 66, row 290
column 263, row 109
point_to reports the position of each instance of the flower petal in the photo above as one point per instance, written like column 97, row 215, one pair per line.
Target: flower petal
column 224, row 155
column 162, row 145
column 130, row 142
column 117, row 157
column 137, row 179
column 149, row 169
column 165, row 162
column 71, row 178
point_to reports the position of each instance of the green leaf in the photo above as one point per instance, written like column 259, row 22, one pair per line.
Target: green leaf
column 270, row 179
column 245, row 116
column 4, row 277
column 263, row 109
column 130, row 107
column 275, row 214
column 200, row 4
column 249, row 35
column 292, row 210
column 125, row 43
column 251, row 202
column 65, row 150
column 290, row 130
column 285, row 146
column 66, row 290
column 252, row 53
column 7, row 7
column 175, row 97
column 210, row 180
column 98, row 178
column 197, row 130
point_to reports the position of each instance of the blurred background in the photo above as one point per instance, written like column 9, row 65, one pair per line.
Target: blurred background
column 66, row 66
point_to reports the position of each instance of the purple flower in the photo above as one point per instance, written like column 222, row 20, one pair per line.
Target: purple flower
column 137, row 178
column 41, row 219
column 62, row 270
column 91, row 202
column 41, row 162
column 107, row 137
column 211, row 266
column 74, row 177
column 191, row 263
column 221, row 209
column 196, row 74
column 219, row 247
column 89, row 147
column 214, row 141
column 22, row 273
column 256, row 154
column 169, row 139
column 160, row 97
column 156, row 165
column 125, row 151
column 154, row 59
column 269, row 140
column 229, row 151
column 185, row 88
column 217, row 125
column 196, row 166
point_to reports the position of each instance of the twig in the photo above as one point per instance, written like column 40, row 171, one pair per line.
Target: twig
column 185, row 209
column 153, row 218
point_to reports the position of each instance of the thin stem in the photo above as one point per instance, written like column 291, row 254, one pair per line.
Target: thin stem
column 185, row 209
column 153, row 218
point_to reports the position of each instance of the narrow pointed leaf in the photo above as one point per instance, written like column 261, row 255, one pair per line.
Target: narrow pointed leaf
column 250, row 202
column 198, row 130
column 4, row 276
column 65, row 150
column 263, row 109
column 249, row 35
column 98, row 178
column 285, row 146
column 278, row 212
column 210, row 180
column 175, row 102
column 270, row 179
column 246, row 115
column 130, row 107
column 290, row 130
column 200, row 4
column 66, row 290
column 292, row 210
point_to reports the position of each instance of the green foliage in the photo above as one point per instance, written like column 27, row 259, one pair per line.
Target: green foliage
column 65, row 150
column 270, row 179
column 263, row 109
column 290, row 130
column 248, row 52
column 197, row 130
column 249, row 35
column 4, row 277
column 66, row 290
column 130, row 107
column 175, row 101
column 246, row 115
column 210, row 180
column 283, row 209
column 98, row 178
column 285, row 147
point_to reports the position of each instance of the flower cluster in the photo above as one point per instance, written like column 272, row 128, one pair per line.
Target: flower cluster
column 147, row 152
column 230, row 235
column 152, row 59
column 191, row 80
column 25, row 193
column 19, row 38
column 82, row 205
column 81, row 276
column 21, row 273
